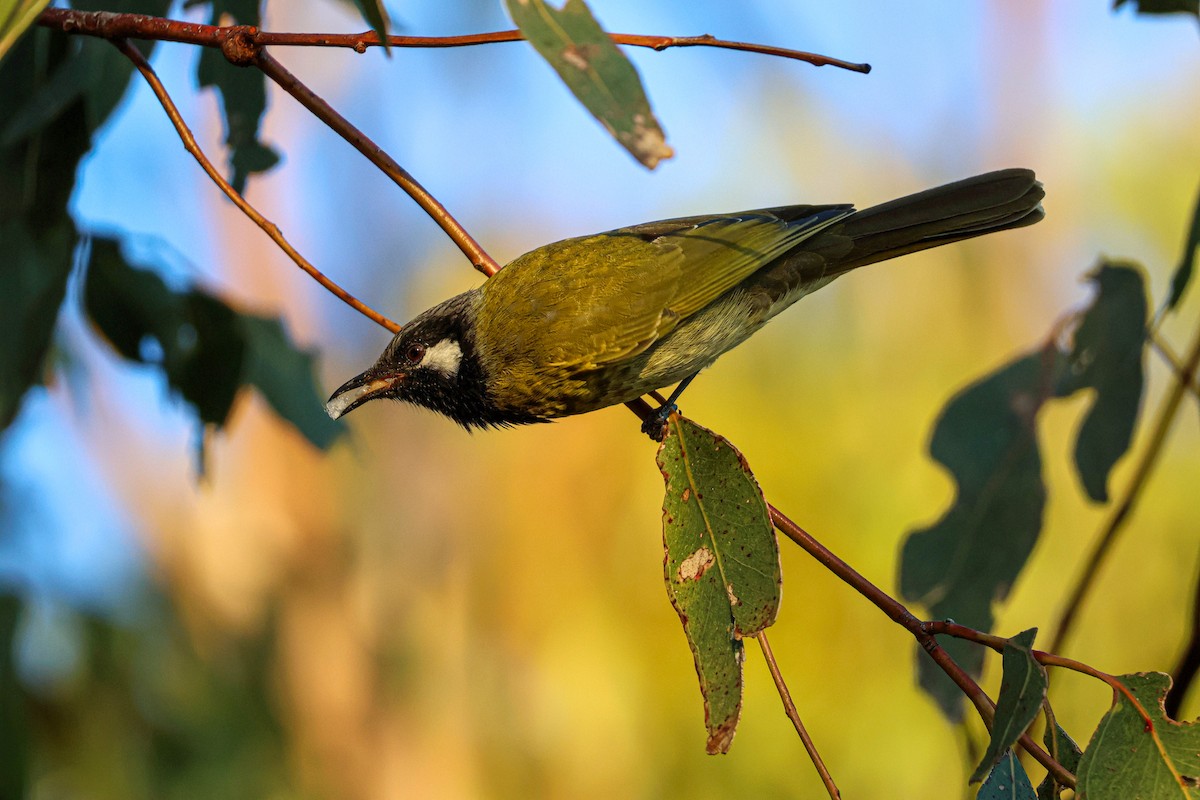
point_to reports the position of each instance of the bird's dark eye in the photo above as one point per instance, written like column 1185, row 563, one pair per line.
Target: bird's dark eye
column 415, row 353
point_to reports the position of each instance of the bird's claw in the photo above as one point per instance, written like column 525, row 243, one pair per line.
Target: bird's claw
column 655, row 425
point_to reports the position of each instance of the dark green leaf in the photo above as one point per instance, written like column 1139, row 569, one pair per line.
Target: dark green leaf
column 598, row 73
column 1007, row 781
column 37, row 175
column 1162, row 6
column 285, row 377
column 968, row 560
column 1062, row 748
column 243, row 96
column 722, row 563
column 1022, row 689
column 198, row 337
column 1130, row 757
column 14, row 755
column 376, row 15
column 1107, row 356
column 1187, row 264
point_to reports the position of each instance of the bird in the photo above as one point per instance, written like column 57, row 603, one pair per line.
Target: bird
column 594, row 321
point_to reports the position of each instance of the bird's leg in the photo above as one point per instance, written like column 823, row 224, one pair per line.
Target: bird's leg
column 655, row 426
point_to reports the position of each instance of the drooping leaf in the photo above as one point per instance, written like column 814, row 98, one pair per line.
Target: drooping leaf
column 1007, row 781
column 968, row 560
column 1062, row 748
column 15, row 17
column 206, row 350
column 1129, row 757
column 376, row 15
column 598, row 73
column 194, row 337
column 243, row 96
column 285, row 376
column 37, row 175
column 722, row 563
column 1022, row 689
column 1162, row 6
column 1107, row 356
column 1187, row 264
column 14, row 728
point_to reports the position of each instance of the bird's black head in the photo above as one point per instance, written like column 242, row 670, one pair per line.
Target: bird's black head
column 432, row 362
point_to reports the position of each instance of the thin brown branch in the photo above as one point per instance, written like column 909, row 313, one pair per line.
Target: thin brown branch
column 112, row 25
column 271, row 229
column 1120, row 513
column 1174, row 362
column 375, row 154
column 902, row 616
column 789, row 708
column 361, row 41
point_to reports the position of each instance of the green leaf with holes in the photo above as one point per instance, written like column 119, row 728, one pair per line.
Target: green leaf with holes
column 961, row 565
column 1022, row 689
column 1107, row 356
column 1139, row 752
column 596, row 71
column 722, row 563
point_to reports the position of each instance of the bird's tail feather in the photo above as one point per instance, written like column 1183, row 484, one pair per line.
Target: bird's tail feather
column 986, row 203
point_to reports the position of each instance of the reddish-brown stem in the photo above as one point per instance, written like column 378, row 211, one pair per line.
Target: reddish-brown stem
column 789, row 708
column 1042, row 657
column 361, row 41
column 1124, row 506
column 271, row 229
column 902, row 616
column 139, row 26
column 374, row 153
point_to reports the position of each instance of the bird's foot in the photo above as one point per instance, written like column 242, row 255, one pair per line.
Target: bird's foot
column 655, row 425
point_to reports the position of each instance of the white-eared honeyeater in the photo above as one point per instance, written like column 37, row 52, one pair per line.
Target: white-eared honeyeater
column 590, row 322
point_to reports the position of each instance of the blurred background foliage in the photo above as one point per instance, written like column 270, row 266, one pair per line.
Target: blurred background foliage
column 420, row 612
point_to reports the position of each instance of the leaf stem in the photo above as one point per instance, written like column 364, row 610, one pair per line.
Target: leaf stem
column 789, row 708
column 1124, row 507
column 271, row 229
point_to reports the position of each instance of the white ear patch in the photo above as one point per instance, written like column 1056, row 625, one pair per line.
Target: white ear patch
column 445, row 357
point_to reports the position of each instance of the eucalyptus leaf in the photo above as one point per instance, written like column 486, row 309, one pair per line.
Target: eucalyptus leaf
column 1062, row 748
column 1162, row 6
column 1007, row 781
column 15, row 18
column 1022, row 690
column 1107, row 355
column 722, row 563
column 596, row 71
column 1139, row 752
column 1187, row 263
column 376, row 15
column 968, row 560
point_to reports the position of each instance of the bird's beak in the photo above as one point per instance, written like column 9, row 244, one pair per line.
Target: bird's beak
column 358, row 390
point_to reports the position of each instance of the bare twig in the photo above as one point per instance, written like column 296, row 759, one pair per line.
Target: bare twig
column 789, row 708
column 374, row 153
column 271, row 229
column 1124, row 506
column 111, row 25
column 361, row 41
column 1174, row 362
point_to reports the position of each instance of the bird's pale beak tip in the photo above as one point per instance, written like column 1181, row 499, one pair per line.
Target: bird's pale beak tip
column 334, row 408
